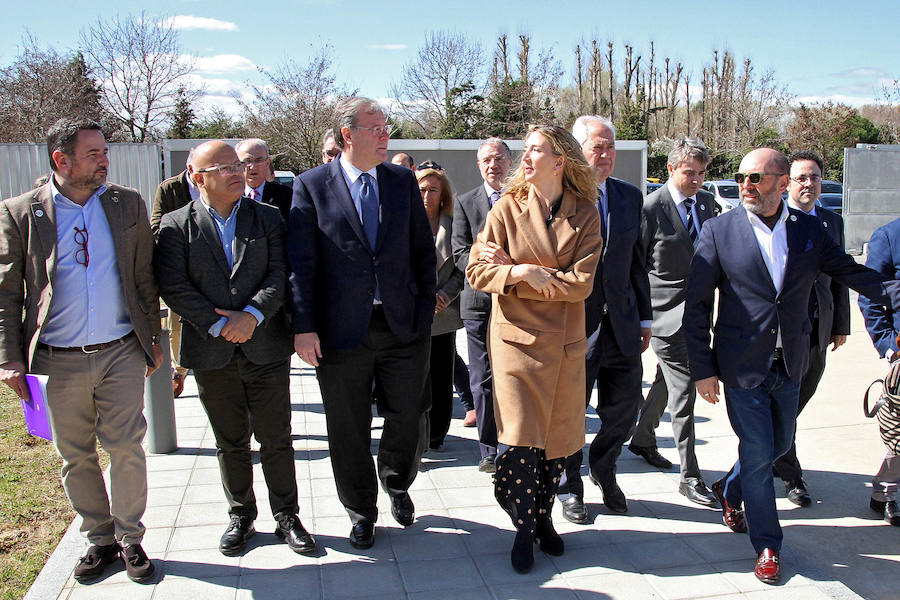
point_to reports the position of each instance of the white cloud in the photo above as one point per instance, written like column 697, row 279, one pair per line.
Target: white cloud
column 861, row 72
column 192, row 22
column 223, row 63
column 854, row 101
column 386, row 46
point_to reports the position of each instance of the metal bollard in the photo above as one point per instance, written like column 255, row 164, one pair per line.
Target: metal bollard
column 159, row 404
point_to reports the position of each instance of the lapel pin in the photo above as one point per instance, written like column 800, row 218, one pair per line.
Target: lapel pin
column 39, row 213
column 702, row 207
column 793, row 217
column 825, row 223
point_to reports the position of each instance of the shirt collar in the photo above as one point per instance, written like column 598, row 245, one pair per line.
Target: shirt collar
column 676, row 194
column 259, row 190
column 601, row 189
column 489, row 190
column 796, row 206
column 57, row 195
column 212, row 212
column 352, row 172
column 757, row 222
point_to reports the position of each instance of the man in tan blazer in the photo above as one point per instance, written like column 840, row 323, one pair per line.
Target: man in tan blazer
column 75, row 256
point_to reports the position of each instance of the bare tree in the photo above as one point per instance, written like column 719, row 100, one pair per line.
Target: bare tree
column 40, row 86
column 140, row 65
column 446, row 61
column 294, row 109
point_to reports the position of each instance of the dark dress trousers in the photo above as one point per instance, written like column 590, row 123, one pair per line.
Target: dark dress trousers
column 618, row 303
column 829, row 313
column 750, row 313
column 334, row 274
column 244, row 388
column 669, row 250
column 469, row 214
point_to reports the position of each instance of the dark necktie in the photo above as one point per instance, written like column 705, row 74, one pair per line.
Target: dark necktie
column 603, row 217
column 368, row 202
column 691, row 227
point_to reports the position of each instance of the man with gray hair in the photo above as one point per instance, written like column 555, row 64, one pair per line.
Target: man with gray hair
column 673, row 217
column 363, row 275
column 494, row 160
column 617, row 321
column 330, row 149
column 254, row 153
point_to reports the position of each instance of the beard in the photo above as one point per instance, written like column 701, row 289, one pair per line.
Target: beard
column 763, row 206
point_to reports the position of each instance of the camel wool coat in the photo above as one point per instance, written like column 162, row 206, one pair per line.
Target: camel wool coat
column 537, row 346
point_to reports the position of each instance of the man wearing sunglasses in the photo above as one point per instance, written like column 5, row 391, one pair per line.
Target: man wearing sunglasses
column 75, row 254
column 763, row 258
column 254, row 153
column 363, row 277
column 220, row 265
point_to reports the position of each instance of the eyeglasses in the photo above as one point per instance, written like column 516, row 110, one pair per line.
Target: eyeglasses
column 378, row 131
column 803, row 179
column 254, row 161
column 752, row 177
column 81, row 238
column 232, row 169
column 430, row 164
column 332, row 153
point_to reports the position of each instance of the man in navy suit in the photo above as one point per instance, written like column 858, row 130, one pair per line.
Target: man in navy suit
column 618, row 316
column 883, row 326
column 829, row 308
column 763, row 258
column 363, row 280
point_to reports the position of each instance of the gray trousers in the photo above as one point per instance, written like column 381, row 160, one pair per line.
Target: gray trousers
column 673, row 389
column 92, row 397
column 884, row 484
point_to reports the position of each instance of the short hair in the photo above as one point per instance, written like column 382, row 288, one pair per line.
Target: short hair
column 62, row 135
column 495, row 141
column 446, row 187
column 328, row 134
column 253, row 142
column 579, row 128
column 781, row 163
column 409, row 162
column 807, row 155
column 348, row 114
column 688, row 147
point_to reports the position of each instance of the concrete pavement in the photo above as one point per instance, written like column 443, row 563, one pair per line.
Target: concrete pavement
column 458, row 548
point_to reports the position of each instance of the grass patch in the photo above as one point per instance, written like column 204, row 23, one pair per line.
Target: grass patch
column 34, row 510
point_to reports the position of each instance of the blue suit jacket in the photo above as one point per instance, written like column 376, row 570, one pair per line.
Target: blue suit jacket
column 749, row 309
column 884, row 257
column 621, row 280
column 333, row 270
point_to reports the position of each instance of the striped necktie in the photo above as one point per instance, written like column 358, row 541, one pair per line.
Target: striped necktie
column 691, row 226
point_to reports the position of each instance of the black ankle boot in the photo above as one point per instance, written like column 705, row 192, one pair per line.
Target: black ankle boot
column 549, row 540
column 522, row 554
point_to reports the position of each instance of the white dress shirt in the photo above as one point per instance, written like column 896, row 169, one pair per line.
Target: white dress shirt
column 678, row 198
column 774, row 249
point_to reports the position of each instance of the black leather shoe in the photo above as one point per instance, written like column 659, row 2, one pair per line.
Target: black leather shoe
column 291, row 530
column 892, row 513
column 877, row 505
column 362, row 535
column 574, row 510
column 796, row 493
column 139, row 568
column 403, row 510
column 93, row 563
column 487, row 465
column 696, row 491
column 652, row 456
column 613, row 497
column 240, row 529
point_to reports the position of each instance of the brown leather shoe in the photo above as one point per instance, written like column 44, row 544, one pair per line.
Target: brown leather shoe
column 768, row 566
column 733, row 517
column 137, row 565
column 177, row 384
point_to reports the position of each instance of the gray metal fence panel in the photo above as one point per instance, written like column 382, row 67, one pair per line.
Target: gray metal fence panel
column 132, row 165
column 871, row 192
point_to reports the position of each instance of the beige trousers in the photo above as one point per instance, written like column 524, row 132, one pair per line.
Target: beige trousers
column 173, row 324
column 92, row 397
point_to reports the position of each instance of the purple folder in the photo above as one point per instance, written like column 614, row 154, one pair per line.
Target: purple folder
column 37, row 420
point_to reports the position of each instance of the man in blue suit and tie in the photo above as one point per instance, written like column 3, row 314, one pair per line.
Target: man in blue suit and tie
column 763, row 258
column 618, row 316
column 363, row 282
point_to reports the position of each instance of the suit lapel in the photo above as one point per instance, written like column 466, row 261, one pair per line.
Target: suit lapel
column 746, row 238
column 534, row 228
column 670, row 212
column 242, row 231
column 797, row 239
column 340, row 194
column 43, row 214
column 210, row 234
column 109, row 200
column 386, row 184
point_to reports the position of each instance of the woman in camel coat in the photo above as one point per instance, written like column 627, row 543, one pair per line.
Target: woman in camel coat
column 537, row 255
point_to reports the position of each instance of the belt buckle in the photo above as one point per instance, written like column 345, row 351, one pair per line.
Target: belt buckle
column 86, row 351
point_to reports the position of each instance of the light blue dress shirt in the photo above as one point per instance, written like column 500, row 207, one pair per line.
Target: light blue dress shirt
column 88, row 305
column 226, row 228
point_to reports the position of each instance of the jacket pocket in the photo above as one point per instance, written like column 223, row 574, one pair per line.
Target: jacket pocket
column 510, row 333
column 576, row 349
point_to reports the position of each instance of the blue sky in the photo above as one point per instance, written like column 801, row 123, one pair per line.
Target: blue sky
column 819, row 50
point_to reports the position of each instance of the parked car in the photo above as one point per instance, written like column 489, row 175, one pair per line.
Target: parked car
column 725, row 192
column 832, row 196
column 652, row 186
column 285, row 177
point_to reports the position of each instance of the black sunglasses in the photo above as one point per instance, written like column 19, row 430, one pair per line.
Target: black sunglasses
column 754, row 178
